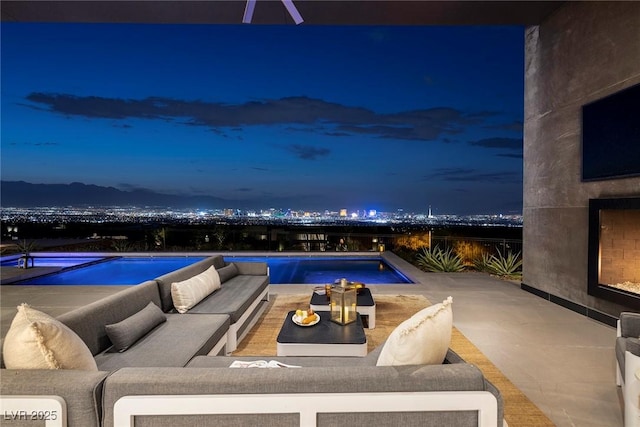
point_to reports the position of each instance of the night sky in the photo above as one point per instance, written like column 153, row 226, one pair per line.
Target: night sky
column 300, row 117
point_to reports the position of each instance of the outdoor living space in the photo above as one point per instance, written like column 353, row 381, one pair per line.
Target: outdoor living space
column 562, row 361
column 552, row 334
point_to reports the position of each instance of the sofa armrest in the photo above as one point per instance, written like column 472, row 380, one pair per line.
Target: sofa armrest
column 631, row 389
column 50, row 409
column 80, row 391
column 252, row 268
column 629, row 324
column 496, row 393
column 632, row 345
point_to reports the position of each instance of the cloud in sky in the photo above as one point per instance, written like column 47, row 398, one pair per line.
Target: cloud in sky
column 308, row 152
column 508, row 143
column 472, row 175
column 36, row 144
column 514, row 145
column 516, row 126
column 423, row 124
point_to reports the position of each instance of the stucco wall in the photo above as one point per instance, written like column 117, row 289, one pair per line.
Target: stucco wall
column 581, row 53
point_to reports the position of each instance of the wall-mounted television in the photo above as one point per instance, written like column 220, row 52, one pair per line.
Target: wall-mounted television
column 611, row 136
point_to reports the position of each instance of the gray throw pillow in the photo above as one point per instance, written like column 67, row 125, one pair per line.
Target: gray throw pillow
column 227, row 272
column 126, row 332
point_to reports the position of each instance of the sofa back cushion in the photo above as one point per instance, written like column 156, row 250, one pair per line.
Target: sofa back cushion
column 348, row 379
column 190, row 292
column 36, row 340
column 89, row 321
column 165, row 281
column 227, row 272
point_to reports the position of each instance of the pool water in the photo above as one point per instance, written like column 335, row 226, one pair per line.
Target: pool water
column 119, row 271
column 282, row 270
column 318, row 270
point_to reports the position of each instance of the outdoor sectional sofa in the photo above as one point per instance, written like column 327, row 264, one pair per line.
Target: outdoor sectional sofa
column 212, row 326
column 177, row 374
column 628, row 365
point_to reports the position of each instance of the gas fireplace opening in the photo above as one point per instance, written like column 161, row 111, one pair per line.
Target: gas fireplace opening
column 614, row 250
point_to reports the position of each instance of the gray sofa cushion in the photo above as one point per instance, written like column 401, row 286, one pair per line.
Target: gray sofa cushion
column 173, row 343
column 165, row 281
column 131, row 329
column 88, row 321
column 81, row 391
column 234, row 297
column 449, row 377
column 227, row 272
column 630, row 324
column 304, row 361
column 252, row 268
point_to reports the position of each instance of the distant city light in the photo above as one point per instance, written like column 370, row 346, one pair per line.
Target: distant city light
column 59, row 216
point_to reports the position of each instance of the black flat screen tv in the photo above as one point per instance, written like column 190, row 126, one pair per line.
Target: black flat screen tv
column 611, row 136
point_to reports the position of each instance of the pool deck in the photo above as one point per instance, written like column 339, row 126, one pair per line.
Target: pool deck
column 563, row 361
column 10, row 275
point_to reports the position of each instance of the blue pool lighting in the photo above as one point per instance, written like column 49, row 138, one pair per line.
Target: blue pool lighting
column 132, row 270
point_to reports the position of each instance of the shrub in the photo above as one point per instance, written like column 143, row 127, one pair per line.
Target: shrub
column 508, row 267
column 483, row 262
column 436, row 259
column 413, row 241
column 120, row 245
column 468, row 250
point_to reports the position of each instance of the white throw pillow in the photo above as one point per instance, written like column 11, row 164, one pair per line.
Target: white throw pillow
column 190, row 292
column 36, row 340
column 422, row 339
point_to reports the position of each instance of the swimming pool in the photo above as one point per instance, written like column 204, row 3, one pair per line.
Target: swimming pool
column 131, row 270
column 320, row 270
column 52, row 261
column 116, row 271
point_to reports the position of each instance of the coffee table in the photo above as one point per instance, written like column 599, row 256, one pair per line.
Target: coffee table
column 365, row 302
column 326, row 338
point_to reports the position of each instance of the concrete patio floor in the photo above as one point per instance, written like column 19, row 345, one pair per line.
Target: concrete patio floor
column 564, row 362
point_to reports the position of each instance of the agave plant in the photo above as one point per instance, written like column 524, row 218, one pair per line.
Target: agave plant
column 483, row 262
column 436, row 259
column 121, row 246
column 504, row 266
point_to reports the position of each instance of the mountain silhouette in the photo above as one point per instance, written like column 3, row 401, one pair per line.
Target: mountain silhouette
column 24, row 194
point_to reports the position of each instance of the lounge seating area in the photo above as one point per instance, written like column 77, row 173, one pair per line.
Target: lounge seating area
column 568, row 371
column 142, row 353
column 559, row 357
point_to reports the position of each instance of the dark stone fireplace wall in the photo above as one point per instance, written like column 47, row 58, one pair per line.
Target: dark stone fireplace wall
column 614, row 249
column 583, row 52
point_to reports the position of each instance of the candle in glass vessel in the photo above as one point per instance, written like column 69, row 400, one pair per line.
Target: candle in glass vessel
column 343, row 303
